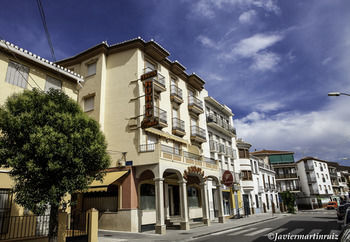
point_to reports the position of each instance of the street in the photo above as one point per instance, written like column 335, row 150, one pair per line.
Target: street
column 321, row 222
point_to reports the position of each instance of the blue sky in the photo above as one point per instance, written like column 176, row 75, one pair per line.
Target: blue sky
column 271, row 62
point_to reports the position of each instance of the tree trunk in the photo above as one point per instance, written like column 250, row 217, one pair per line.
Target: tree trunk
column 53, row 223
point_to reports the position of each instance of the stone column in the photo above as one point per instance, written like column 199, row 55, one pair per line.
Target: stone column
column 160, row 226
column 184, row 224
column 221, row 207
column 166, row 197
column 205, row 207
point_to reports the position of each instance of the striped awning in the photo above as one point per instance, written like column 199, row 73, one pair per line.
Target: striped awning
column 108, row 179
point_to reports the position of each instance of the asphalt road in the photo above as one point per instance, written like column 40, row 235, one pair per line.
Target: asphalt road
column 315, row 223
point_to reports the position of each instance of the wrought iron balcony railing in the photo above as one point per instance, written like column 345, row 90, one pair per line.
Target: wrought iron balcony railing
column 175, row 91
column 197, row 131
column 193, row 101
column 178, row 124
column 159, row 79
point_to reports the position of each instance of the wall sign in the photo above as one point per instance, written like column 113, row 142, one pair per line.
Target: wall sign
column 149, row 119
column 227, row 178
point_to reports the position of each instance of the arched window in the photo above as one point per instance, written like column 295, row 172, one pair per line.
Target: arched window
column 147, row 197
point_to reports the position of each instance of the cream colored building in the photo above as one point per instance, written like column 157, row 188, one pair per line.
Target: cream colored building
column 20, row 70
column 152, row 114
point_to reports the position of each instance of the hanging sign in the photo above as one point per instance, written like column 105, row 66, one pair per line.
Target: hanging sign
column 227, row 178
column 149, row 119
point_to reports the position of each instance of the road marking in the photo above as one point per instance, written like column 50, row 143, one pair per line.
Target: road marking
column 278, row 231
column 315, row 231
column 242, row 231
column 296, row 231
column 226, row 231
column 258, row 232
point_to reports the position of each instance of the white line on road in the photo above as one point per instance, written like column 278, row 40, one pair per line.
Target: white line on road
column 334, row 231
column 296, row 231
column 278, row 231
column 226, row 231
column 242, row 231
column 315, row 231
column 258, row 232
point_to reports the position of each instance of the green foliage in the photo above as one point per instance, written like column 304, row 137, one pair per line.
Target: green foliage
column 289, row 200
column 52, row 147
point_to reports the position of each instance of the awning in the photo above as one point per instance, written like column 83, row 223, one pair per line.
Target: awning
column 166, row 135
column 108, row 179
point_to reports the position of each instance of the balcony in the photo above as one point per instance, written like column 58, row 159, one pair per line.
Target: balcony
column 154, row 153
column 198, row 134
column 214, row 146
column 178, row 127
column 309, row 167
column 229, row 151
column 311, row 179
column 333, row 174
column 176, row 94
column 247, row 184
column 287, row 176
column 161, row 116
column 220, row 125
column 195, row 105
column 158, row 80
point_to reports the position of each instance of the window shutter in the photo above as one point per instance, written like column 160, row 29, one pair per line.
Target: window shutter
column 89, row 103
column 91, row 69
column 17, row 74
column 52, row 83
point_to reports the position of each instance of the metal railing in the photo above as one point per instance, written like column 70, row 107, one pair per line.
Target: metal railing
column 171, row 150
column 309, row 167
column 197, row 131
column 147, row 147
column 159, row 79
column 213, row 118
column 192, row 156
column 290, row 175
column 311, row 179
column 178, row 124
column 160, row 114
column 17, row 227
column 175, row 91
column 221, row 148
column 209, row 160
column 193, row 101
column 77, row 224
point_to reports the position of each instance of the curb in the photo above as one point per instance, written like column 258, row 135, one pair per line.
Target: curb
column 218, row 231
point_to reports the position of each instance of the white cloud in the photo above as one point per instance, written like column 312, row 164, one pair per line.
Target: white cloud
column 326, row 61
column 207, row 8
column 269, row 106
column 324, row 133
column 265, row 61
column 204, row 40
column 251, row 46
column 247, row 17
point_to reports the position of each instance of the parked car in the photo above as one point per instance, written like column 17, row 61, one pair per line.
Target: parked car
column 346, row 221
column 341, row 211
column 332, row 205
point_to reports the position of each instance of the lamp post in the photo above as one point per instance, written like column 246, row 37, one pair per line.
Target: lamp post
column 335, row 94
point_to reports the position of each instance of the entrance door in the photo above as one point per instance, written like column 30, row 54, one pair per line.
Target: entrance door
column 246, row 204
column 174, row 200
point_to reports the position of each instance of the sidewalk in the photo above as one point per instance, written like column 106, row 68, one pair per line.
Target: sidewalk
column 185, row 235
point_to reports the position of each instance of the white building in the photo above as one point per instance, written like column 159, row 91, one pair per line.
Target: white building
column 315, row 182
column 222, row 145
column 265, row 195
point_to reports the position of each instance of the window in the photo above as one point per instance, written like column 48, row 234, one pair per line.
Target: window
column 5, row 209
column 246, row 175
column 17, row 74
column 193, row 197
column 150, row 66
column 91, row 69
column 147, row 197
column 52, row 83
column 89, row 103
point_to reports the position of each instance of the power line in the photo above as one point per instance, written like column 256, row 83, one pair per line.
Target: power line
column 43, row 20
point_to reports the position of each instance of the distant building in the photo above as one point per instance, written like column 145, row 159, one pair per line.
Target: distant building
column 286, row 169
column 316, row 183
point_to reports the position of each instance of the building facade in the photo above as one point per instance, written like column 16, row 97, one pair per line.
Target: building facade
column 316, row 183
column 222, row 145
column 285, row 168
column 152, row 114
column 22, row 70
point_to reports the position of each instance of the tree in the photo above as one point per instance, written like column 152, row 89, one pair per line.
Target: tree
column 288, row 199
column 53, row 148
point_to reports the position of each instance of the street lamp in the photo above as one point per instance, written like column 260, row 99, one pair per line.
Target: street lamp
column 335, row 94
